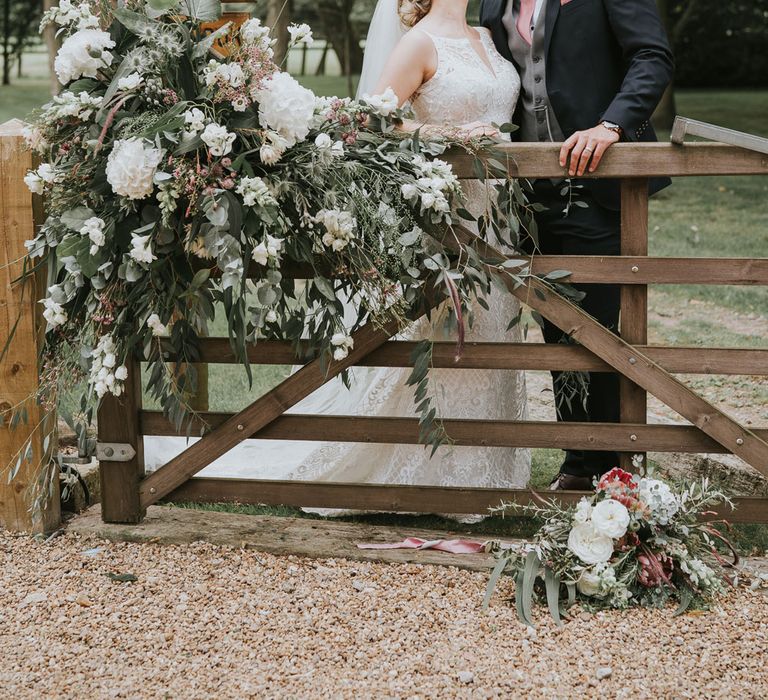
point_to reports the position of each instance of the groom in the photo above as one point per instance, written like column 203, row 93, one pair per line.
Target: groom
column 592, row 73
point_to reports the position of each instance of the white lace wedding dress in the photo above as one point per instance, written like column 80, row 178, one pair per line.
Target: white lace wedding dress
column 466, row 87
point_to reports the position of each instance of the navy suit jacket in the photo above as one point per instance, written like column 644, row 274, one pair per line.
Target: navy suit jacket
column 606, row 60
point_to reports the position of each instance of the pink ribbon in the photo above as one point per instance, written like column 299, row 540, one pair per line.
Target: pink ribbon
column 450, row 546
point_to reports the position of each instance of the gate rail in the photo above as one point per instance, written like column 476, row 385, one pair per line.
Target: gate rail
column 126, row 491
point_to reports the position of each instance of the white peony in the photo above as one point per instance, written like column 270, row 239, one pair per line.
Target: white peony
column 83, row 54
column 610, row 518
column 141, row 249
column 383, row 104
column 131, row 168
column 301, row 34
column 286, row 107
column 218, row 139
column 130, row 82
column 588, row 545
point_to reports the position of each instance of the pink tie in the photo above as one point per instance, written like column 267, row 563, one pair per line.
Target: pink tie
column 524, row 21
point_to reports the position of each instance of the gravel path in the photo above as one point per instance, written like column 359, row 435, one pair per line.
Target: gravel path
column 203, row 621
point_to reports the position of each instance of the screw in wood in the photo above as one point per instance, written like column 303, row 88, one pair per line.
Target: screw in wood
column 739, row 441
column 633, row 437
column 632, row 361
column 109, row 451
column 635, row 268
column 240, row 427
column 153, row 490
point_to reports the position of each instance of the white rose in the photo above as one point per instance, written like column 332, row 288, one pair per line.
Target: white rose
column 130, row 82
column 83, row 54
column 383, row 104
column 286, row 107
column 588, row 583
column 588, row 545
column 323, row 141
column 131, row 168
column 218, row 139
column 610, row 518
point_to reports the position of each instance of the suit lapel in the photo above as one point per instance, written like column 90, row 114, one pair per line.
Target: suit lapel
column 496, row 11
column 553, row 10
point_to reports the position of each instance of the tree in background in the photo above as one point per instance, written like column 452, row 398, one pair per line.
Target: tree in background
column 279, row 14
column 18, row 25
column 52, row 44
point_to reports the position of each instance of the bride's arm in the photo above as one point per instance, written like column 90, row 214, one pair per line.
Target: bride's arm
column 413, row 63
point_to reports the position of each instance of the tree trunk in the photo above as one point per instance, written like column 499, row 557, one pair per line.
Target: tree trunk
column 6, row 42
column 278, row 18
column 335, row 16
column 665, row 113
column 53, row 46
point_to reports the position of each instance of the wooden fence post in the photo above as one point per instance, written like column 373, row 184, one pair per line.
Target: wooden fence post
column 634, row 298
column 19, row 370
column 118, row 424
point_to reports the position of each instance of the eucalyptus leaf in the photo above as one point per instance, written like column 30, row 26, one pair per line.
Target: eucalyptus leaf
column 203, row 10
column 552, row 586
column 75, row 218
column 163, row 5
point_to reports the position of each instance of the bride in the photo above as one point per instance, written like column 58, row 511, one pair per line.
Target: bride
column 455, row 81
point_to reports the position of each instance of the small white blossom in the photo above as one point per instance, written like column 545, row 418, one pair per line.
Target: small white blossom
column 323, row 141
column 218, row 139
column 268, row 250
column 53, row 312
column 301, row 34
column 583, row 512
column 340, row 227
column 273, row 148
column 194, row 120
column 342, row 344
column 383, row 104
column 255, row 191
column 253, row 32
column 157, row 327
column 94, row 229
column 141, row 249
column 130, row 82
column 226, row 74
column 240, row 104
column 34, row 139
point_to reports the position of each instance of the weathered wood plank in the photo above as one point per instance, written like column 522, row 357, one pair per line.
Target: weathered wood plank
column 393, row 497
column 19, row 369
column 119, row 422
column 627, row 160
column 634, row 299
column 576, row 436
column 530, row 356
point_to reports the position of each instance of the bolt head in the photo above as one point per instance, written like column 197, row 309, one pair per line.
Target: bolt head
column 739, row 441
column 635, row 268
column 633, row 437
column 153, row 490
column 241, row 427
column 632, row 361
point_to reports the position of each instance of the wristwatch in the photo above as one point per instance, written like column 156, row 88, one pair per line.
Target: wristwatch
column 613, row 127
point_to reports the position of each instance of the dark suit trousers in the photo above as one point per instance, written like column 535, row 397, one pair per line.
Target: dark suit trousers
column 593, row 230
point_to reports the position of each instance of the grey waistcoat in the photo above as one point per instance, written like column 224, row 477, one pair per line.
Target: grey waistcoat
column 539, row 122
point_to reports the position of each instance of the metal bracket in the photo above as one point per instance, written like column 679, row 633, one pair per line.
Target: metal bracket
column 114, row 452
column 690, row 127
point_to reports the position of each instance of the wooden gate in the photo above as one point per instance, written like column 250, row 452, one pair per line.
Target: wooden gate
column 126, row 491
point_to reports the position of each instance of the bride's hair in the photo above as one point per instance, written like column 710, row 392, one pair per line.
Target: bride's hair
column 413, row 11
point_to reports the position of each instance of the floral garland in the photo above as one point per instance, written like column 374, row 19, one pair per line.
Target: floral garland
column 636, row 541
column 170, row 172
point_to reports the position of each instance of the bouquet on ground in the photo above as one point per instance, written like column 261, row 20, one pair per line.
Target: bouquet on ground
column 636, row 541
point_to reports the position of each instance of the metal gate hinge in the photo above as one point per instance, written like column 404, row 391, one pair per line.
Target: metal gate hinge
column 114, row 452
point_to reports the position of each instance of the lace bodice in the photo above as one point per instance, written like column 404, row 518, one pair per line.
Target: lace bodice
column 463, row 88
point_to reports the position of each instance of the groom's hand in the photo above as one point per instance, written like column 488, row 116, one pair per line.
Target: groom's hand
column 586, row 146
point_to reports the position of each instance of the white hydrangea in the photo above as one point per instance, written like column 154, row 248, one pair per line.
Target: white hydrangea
column 340, row 227
column 286, row 107
column 83, row 54
column 273, row 148
column 105, row 377
column 36, row 180
column 301, row 34
column 156, row 326
column 94, row 229
column 131, row 168
column 141, row 249
column 254, row 33
column 661, row 503
column 342, row 344
column 53, row 313
column 218, row 139
column 383, row 104
column 254, row 191
column 268, row 250
column 130, row 82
